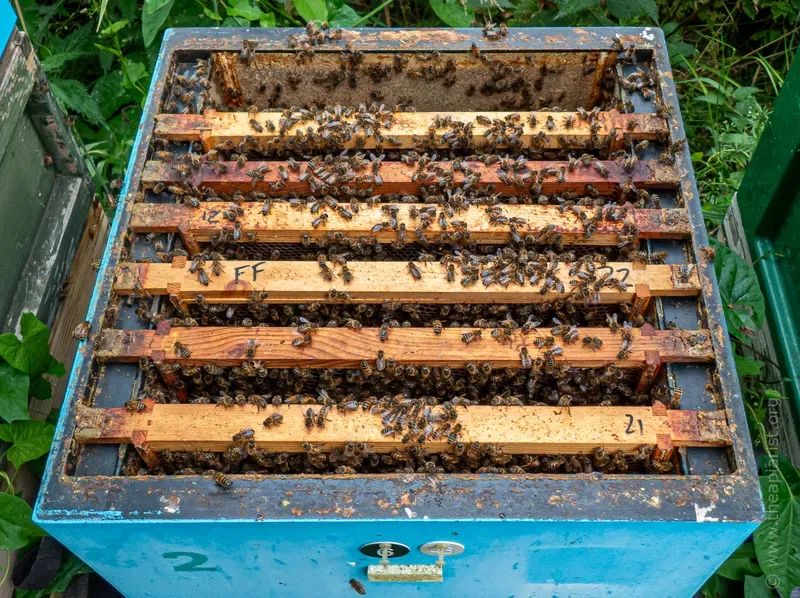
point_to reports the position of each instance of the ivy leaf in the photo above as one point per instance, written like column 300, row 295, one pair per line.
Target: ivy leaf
column 777, row 539
column 13, row 394
column 452, row 13
column 312, row 10
column 567, row 8
column 740, row 563
column 628, row 9
column 74, row 96
column 70, row 567
column 29, row 439
column 16, row 528
column 746, row 366
column 153, row 18
column 742, row 300
column 343, row 16
column 268, row 20
column 54, row 62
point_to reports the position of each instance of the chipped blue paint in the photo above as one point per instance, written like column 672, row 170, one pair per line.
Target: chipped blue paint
column 304, row 559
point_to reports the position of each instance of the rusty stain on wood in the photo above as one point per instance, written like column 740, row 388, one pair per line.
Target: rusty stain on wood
column 399, row 178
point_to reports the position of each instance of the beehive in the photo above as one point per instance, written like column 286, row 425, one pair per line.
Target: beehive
column 466, row 268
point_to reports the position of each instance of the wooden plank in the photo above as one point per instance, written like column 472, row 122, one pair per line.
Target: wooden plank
column 376, row 282
column 398, row 177
column 286, row 224
column 346, row 348
column 518, row 430
column 407, row 129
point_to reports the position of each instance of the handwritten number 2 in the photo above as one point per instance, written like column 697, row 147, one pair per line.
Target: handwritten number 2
column 193, row 564
column 629, row 429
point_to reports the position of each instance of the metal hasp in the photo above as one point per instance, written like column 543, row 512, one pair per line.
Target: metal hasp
column 769, row 203
column 537, row 534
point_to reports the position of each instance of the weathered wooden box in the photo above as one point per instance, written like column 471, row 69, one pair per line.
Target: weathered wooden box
column 501, row 328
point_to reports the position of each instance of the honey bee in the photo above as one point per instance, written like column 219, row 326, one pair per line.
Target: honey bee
column 550, row 123
column 471, row 336
column 302, row 341
column 415, row 273
column 248, row 52
column 81, row 332
column 182, row 350
column 380, row 362
column 525, row 358
column 322, row 417
column 244, row 435
column 135, row 405
column 222, row 480
column 437, row 327
column 592, row 342
column 366, row 369
column 309, row 418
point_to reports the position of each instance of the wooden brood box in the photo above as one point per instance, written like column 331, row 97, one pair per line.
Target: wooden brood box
column 699, row 435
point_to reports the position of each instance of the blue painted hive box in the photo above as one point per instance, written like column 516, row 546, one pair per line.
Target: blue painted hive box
column 422, row 312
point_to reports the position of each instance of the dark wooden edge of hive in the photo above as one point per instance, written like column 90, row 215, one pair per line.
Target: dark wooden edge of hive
column 562, row 497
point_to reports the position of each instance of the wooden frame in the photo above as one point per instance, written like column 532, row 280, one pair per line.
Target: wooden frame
column 376, row 282
column 515, row 430
column 286, row 224
column 214, row 128
column 346, row 348
column 397, row 177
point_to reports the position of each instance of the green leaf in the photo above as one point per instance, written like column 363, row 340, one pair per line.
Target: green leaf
column 13, row 394
column 746, row 366
column 114, row 27
column 744, row 92
column 154, row 18
column 452, row 13
column 740, row 563
column 749, row 8
column 109, row 93
column 31, row 354
column 211, row 14
column 54, row 63
column 40, row 389
column 756, row 587
column 132, row 72
column 343, row 16
column 628, row 9
column 74, row 96
column 312, row 10
column 70, row 567
column 246, row 10
column 681, row 48
column 567, row 8
column 717, row 99
column 268, row 20
column 16, row 528
column 29, row 439
column 742, row 300
column 778, row 538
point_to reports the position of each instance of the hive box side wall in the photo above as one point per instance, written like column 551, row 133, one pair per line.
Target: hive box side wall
column 502, row 558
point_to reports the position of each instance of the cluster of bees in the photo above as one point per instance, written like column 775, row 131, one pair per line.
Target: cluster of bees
column 414, row 403
column 357, row 458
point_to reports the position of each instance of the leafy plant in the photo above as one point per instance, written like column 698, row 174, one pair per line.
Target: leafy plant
column 24, row 361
